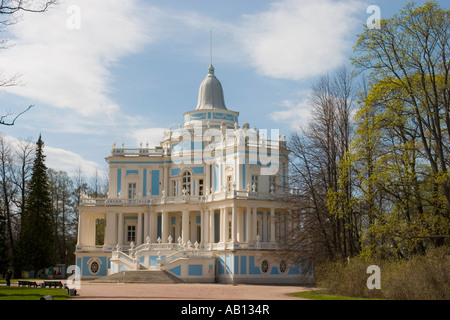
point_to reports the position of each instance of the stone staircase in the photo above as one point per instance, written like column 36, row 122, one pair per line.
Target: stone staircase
column 143, row 276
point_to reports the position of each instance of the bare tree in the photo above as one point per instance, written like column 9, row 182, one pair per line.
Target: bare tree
column 7, row 190
column 80, row 185
column 9, row 9
column 22, row 173
column 323, row 228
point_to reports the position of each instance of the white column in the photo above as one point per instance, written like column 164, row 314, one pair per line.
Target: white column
column 185, row 226
column 146, row 233
column 153, row 227
column 272, row 224
column 139, row 229
column 120, row 229
column 211, row 226
column 80, row 230
column 223, row 224
column 92, row 229
column 221, row 237
column 193, row 230
column 204, row 225
column 207, row 187
column 233, row 223
column 240, row 224
column 110, row 230
column 87, row 228
column 248, row 226
column 264, row 227
column 164, row 226
column 166, row 181
column 177, row 228
column 255, row 224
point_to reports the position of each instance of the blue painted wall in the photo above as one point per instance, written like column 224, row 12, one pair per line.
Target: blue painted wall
column 252, row 269
column 155, row 182
column 176, row 271
column 243, row 264
column 195, row 270
column 84, row 264
column 221, row 264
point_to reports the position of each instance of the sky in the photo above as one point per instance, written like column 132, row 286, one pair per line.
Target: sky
column 99, row 72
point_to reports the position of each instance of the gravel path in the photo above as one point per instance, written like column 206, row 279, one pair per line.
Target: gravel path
column 184, row 291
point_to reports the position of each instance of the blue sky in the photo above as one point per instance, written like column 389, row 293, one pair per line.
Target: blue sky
column 106, row 71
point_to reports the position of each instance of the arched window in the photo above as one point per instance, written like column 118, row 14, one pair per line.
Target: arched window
column 187, row 182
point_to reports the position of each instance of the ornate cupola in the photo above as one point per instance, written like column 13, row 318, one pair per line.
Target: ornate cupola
column 210, row 95
column 211, row 109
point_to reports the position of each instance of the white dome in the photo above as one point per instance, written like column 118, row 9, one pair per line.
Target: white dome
column 210, row 95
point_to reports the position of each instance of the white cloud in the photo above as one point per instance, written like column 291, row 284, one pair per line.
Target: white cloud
column 298, row 39
column 152, row 136
column 295, row 114
column 69, row 68
column 70, row 162
column 61, row 159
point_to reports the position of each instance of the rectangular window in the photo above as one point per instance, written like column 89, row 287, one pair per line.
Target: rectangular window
column 200, row 187
column 132, row 191
column 131, row 233
column 254, row 183
column 174, row 188
column 187, row 182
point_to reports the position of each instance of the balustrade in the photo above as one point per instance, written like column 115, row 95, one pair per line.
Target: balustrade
column 158, row 200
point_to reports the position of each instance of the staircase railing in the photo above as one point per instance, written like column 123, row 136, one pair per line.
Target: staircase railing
column 192, row 253
column 131, row 262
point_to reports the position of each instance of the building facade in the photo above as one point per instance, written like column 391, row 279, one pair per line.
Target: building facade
column 205, row 205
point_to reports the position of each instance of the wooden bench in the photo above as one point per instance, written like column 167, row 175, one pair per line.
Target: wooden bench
column 27, row 283
column 53, row 284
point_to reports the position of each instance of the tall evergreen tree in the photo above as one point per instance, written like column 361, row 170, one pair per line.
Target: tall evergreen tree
column 36, row 239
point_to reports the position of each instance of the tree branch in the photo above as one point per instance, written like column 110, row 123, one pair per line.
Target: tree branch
column 2, row 121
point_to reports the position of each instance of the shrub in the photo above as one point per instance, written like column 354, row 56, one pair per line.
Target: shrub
column 420, row 278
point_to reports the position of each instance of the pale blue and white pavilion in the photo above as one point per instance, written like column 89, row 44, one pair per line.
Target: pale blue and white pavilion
column 206, row 205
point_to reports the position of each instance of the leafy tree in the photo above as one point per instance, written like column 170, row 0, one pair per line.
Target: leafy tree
column 384, row 192
column 403, row 138
column 36, row 238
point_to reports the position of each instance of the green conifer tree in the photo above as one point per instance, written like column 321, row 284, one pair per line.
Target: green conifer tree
column 36, row 238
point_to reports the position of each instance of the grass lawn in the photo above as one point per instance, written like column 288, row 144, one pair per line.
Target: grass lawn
column 321, row 295
column 25, row 293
